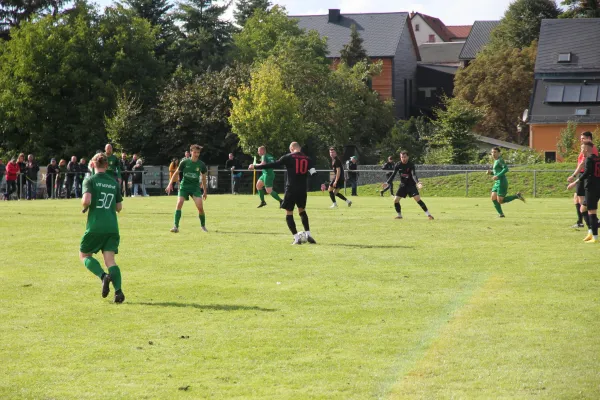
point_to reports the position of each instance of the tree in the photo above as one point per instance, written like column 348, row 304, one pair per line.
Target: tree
column 354, row 51
column 60, row 75
column 501, row 82
column 207, row 37
column 262, row 32
column 411, row 135
column 266, row 113
column 14, row 12
column 454, row 130
column 129, row 128
column 520, row 25
column 195, row 109
column 581, row 9
column 246, row 8
column 567, row 142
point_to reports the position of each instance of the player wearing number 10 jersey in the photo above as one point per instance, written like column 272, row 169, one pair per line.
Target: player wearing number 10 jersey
column 298, row 167
column 102, row 197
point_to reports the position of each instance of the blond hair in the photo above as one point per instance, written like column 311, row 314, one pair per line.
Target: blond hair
column 100, row 160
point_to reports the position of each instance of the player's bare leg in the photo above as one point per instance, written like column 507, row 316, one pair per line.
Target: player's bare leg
column 178, row 207
column 423, row 206
column 200, row 206
column 260, row 186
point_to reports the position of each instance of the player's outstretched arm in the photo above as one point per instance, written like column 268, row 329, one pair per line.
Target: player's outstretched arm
column 169, row 187
column 86, row 200
column 391, row 178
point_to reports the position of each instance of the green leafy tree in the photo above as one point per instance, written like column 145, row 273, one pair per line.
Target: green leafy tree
column 129, row 128
column 567, row 145
column 207, row 37
column 60, row 75
column 266, row 113
column 454, row 130
column 354, row 51
column 581, row 9
column 501, row 82
column 14, row 12
column 411, row 135
column 195, row 109
column 262, row 33
column 520, row 25
column 245, row 9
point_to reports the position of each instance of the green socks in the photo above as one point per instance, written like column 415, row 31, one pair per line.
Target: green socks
column 93, row 266
column 275, row 195
column 498, row 207
column 202, row 219
column 177, row 217
column 508, row 199
column 261, row 194
column 115, row 276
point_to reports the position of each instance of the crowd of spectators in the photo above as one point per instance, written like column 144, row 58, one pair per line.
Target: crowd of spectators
column 62, row 179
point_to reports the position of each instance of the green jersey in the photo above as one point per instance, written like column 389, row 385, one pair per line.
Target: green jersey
column 114, row 166
column 267, row 158
column 500, row 168
column 191, row 173
column 102, row 213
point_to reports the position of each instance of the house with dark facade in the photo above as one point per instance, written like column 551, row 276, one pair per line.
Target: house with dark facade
column 387, row 37
column 567, row 81
column 478, row 38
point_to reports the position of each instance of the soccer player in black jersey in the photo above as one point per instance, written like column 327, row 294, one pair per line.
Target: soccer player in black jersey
column 338, row 179
column 298, row 166
column 591, row 182
column 409, row 184
column 388, row 166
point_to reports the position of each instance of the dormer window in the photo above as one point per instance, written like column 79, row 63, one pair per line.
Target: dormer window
column 582, row 111
column 564, row 57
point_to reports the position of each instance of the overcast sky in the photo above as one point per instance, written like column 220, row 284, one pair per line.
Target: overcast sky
column 455, row 12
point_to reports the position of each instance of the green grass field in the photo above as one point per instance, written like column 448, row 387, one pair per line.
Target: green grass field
column 467, row 306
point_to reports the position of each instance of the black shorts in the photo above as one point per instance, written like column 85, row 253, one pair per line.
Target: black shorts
column 294, row 198
column 591, row 199
column 410, row 190
column 580, row 188
column 340, row 184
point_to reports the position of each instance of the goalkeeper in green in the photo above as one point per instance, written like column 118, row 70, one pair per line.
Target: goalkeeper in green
column 500, row 188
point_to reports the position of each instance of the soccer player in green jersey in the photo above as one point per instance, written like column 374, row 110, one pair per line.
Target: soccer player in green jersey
column 265, row 182
column 500, row 188
column 114, row 165
column 102, row 197
column 192, row 169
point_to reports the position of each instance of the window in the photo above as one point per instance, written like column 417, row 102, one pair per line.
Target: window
column 417, row 27
column 564, row 57
column 571, row 94
column 550, row 156
column 589, row 94
column 431, row 39
column 555, row 94
column 581, row 111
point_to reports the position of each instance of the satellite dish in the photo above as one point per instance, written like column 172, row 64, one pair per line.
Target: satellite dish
column 525, row 115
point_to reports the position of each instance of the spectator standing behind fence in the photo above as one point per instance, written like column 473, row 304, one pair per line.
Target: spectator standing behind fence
column 83, row 171
column 21, row 178
column 51, row 173
column 132, row 164
column 353, row 174
column 172, row 169
column 72, row 172
column 2, row 172
column 60, row 178
column 388, row 166
column 233, row 164
column 138, row 178
column 124, row 166
column 12, row 171
column 31, row 175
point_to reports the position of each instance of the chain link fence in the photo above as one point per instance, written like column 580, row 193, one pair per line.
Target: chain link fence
column 442, row 181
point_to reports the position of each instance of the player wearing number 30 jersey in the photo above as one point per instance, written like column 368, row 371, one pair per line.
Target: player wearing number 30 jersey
column 298, row 167
column 102, row 197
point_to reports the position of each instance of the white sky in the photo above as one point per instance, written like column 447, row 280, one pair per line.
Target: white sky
column 455, row 12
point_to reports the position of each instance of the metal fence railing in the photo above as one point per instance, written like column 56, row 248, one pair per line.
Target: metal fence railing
column 472, row 182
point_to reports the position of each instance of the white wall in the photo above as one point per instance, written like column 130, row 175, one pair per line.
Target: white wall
column 422, row 36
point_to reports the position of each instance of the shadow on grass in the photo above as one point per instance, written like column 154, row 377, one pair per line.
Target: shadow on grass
column 368, row 246
column 248, row 233
column 216, row 307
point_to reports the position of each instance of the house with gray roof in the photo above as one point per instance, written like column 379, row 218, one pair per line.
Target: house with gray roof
column 387, row 37
column 479, row 37
column 567, row 81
